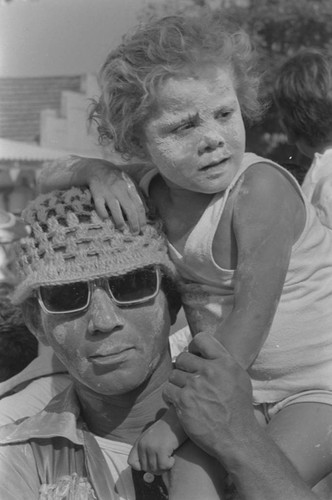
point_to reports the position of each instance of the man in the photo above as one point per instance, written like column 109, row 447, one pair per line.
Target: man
column 104, row 300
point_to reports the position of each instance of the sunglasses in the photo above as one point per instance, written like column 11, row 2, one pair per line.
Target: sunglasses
column 137, row 287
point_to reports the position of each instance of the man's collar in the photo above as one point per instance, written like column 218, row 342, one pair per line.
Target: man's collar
column 59, row 418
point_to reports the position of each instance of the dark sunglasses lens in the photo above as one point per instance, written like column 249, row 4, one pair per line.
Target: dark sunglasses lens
column 135, row 286
column 65, row 298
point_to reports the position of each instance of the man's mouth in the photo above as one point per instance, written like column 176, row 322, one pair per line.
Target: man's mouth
column 111, row 356
column 101, row 353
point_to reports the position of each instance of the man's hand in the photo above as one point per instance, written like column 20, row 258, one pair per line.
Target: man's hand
column 212, row 395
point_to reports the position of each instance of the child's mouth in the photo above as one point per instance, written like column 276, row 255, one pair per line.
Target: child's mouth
column 213, row 164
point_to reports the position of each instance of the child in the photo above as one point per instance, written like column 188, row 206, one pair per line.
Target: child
column 303, row 95
column 255, row 261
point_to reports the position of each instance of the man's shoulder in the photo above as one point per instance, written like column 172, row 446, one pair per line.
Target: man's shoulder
column 9, row 430
column 43, row 467
column 60, row 418
column 31, row 399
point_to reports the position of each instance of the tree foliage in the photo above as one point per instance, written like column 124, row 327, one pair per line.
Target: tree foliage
column 278, row 28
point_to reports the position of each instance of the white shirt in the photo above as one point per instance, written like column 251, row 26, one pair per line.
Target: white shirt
column 116, row 455
column 317, row 186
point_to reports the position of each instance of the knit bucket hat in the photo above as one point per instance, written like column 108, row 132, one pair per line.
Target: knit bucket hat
column 69, row 242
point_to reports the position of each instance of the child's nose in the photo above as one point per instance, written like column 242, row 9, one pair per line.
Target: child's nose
column 211, row 140
column 105, row 315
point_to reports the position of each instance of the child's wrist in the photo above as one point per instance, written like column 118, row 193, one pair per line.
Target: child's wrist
column 81, row 176
column 77, row 167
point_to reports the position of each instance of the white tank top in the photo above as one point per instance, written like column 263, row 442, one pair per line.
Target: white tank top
column 297, row 354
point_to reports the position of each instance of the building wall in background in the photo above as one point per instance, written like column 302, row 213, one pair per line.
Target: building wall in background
column 23, row 99
column 67, row 128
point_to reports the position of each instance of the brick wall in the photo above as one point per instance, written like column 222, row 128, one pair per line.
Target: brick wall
column 22, row 99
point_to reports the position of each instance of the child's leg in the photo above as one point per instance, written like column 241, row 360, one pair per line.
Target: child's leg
column 195, row 475
column 260, row 415
column 304, row 433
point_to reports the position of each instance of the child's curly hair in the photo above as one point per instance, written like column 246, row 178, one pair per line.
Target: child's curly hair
column 157, row 50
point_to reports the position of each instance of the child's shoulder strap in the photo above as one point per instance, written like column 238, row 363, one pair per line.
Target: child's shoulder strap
column 251, row 159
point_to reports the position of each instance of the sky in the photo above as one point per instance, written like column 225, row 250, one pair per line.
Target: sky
column 61, row 37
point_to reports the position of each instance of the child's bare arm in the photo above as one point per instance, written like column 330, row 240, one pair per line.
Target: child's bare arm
column 195, row 475
column 76, row 170
column 268, row 217
column 154, row 449
column 68, row 171
column 111, row 187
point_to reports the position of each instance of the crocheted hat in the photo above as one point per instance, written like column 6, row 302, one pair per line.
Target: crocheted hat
column 69, row 242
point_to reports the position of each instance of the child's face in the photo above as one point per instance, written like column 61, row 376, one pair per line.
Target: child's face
column 197, row 137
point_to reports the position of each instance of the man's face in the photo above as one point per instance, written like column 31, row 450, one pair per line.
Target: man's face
column 197, row 137
column 110, row 349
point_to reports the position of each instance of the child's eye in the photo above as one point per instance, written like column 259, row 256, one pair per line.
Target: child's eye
column 224, row 114
column 184, row 126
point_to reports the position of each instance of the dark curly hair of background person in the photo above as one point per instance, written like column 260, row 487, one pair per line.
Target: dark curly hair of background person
column 18, row 347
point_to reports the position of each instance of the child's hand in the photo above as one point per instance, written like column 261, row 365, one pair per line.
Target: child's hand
column 113, row 190
column 110, row 187
column 153, row 450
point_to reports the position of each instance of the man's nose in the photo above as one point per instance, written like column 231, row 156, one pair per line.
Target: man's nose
column 211, row 139
column 105, row 315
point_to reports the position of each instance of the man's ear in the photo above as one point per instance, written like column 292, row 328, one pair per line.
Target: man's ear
column 32, row 318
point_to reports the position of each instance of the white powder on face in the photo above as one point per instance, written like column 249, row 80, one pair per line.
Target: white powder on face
column 83, row 364
column 199, row 122
column 62, row 340
column 61, row 333
column 157, row 334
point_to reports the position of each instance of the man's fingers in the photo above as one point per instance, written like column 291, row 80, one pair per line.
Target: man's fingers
column 171, row 394
column 188, row 362
column 178, row 378
column 202, row 347
column 207, row 346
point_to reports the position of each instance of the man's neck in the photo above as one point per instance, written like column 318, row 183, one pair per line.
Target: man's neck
column 124, row 417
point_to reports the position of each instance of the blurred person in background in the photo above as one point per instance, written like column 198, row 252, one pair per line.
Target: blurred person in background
column 303, row 95
column 18, row 347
